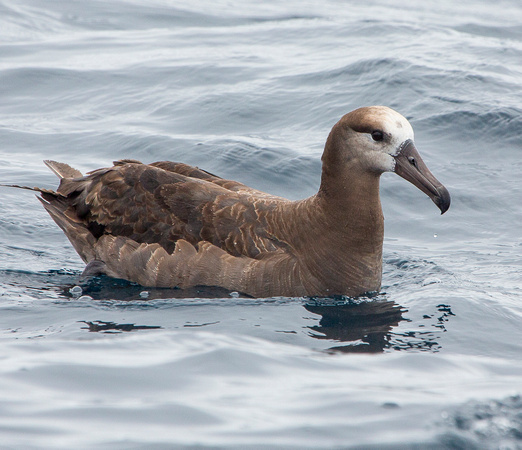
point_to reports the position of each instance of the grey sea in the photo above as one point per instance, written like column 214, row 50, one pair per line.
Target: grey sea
column 249, row 90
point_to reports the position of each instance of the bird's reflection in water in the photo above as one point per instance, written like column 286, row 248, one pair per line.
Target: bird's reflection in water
column 366, row 327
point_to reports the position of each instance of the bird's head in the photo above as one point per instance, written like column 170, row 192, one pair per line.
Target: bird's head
column 377, row 139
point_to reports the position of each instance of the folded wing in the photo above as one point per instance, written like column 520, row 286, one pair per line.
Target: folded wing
column 163, row 203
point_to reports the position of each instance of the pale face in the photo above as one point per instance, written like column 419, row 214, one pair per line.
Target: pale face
column 377, row 139
column 377, row 136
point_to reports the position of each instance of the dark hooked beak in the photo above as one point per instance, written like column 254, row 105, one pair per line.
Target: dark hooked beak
column 410, row 166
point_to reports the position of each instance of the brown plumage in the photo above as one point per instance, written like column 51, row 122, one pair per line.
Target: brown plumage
column 168, row 224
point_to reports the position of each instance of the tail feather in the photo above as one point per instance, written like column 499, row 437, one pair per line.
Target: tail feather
column 78, row 234
column 35, row 189
column 63, row 170
column 57, row 205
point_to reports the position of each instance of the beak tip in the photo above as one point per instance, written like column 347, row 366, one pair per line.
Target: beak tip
column 409, row 165
column 443, row 200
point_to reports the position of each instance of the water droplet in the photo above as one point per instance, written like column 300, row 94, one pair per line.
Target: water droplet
column 435, row 235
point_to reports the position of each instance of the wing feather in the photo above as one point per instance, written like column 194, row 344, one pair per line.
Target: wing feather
column 164, row 203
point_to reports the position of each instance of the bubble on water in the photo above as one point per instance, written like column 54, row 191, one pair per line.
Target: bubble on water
column 435, row 235
column 234, row 294
column 85, row 298
column 76, row 291
column 144, row 294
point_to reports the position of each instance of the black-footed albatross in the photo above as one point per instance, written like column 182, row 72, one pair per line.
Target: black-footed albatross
column 168, row 224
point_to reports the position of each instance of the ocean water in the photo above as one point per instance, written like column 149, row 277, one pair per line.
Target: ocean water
column 249, row 90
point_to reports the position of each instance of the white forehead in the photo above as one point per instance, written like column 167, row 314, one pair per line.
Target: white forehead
column 371, row 118
column 396, row 125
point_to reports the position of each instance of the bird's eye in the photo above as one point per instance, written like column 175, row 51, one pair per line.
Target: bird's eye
column 377, row 135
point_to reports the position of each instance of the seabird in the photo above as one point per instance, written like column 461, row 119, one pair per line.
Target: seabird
column 169, row 224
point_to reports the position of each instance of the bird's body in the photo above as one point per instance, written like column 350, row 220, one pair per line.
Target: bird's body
column 172, row 225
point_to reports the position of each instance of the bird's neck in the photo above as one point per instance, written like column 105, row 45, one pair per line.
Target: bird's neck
column 352, row 204
column 349, row 195
column 348, row 227
column 351, row 198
